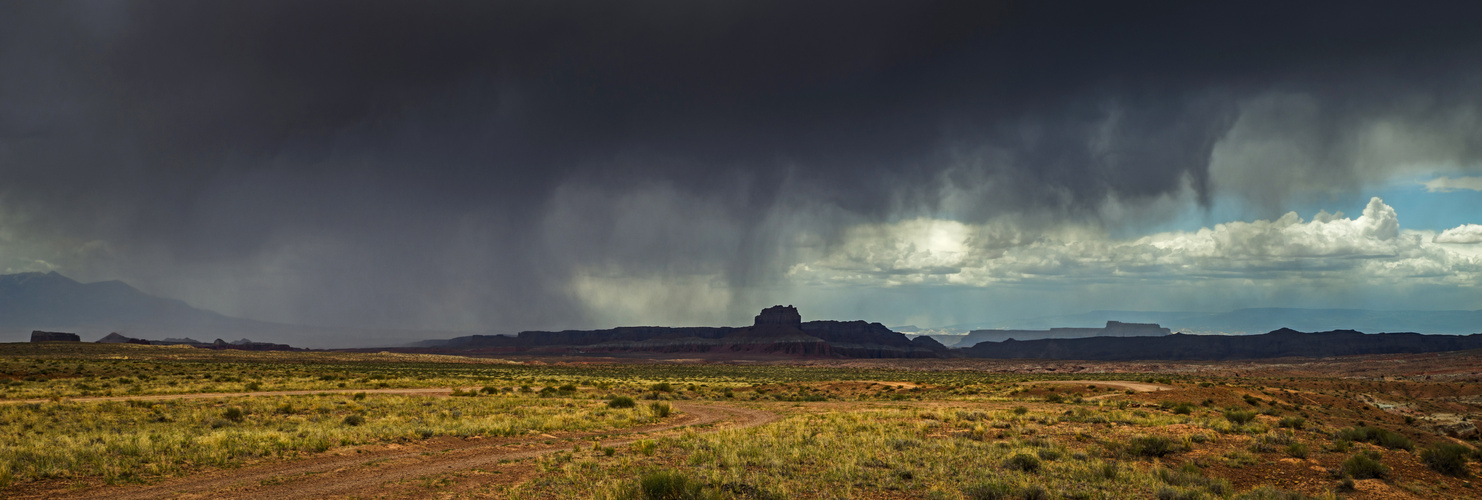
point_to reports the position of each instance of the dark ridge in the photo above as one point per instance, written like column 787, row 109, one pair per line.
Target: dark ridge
column 777, row 331
column 1276, row 344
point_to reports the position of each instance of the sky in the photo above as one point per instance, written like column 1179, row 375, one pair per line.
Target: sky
column 503, row 166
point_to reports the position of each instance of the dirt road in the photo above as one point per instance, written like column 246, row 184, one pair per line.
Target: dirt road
column 421, row 391
column 370, row 470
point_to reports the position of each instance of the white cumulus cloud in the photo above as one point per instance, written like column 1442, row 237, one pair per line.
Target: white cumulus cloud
column 1465, row 233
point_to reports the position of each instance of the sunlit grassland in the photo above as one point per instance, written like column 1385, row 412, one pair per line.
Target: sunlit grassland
column 900, row 452
column 127, row 440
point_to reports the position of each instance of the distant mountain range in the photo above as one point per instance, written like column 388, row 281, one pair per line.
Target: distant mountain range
column 1277, row 344
column 53, row 302
column 1244, row 321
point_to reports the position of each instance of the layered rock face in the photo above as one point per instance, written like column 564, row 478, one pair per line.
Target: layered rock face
column 1112, row 329
column 40, row 336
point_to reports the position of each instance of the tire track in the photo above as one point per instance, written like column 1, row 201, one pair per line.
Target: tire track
column 364, row 472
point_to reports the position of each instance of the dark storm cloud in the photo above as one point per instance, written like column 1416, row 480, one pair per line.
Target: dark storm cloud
column 455, row 163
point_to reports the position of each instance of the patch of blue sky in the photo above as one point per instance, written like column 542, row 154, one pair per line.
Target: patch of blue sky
column 1418, row 208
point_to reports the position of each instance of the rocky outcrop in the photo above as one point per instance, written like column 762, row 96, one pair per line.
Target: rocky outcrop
column 1276, row 344
column 40, row 336
column 115, row 338
column 780, row 316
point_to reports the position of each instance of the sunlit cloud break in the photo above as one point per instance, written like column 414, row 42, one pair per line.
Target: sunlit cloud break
column 1371, row 248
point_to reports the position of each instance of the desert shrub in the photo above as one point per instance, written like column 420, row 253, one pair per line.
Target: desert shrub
column 662, row 387
column 233, row 414
column 1346, row 485
column 1396, row 441
column 1049, row 455
column 1381, row 437
column 489, row 389
column 667, row 485
column 1020, row 410
column 353, row 420
column 990, row 491
column 1270, row 493
column 1189, row 475
column 1000, row 491
column 567, row 388
column 1297, row 450
column 1152, row 446
column 1364, row 466
column 1167, row 493
column 358, row 396
column 286, row 408
column 1240, row 417
column 1293, row 422
column 1183, row 408
column 660, row 410
column 1448, row 458
column 1023, row 462
column 621, row 402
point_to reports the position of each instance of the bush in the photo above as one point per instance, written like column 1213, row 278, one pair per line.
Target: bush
column 1449, row 459
column 662, row 387
column 233, row 414
column 1023, row 462
column 353, row 420
column 358, row 396
column 1364, row 466
column 1269, row 493
column 621, row 402
column 1381, row 437
column 1293, row 422
column 1151, row 446
column 990, row 491
column 1240, row 417
column 667, row 485
column 660, row 410
column 1297, row 450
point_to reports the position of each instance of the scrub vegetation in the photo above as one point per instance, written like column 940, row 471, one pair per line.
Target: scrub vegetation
column 87, row 416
